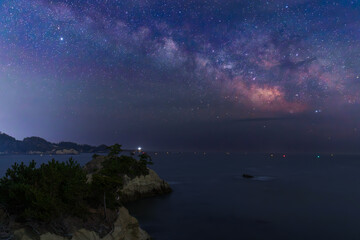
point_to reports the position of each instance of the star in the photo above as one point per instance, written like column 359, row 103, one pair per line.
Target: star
column 138, row 64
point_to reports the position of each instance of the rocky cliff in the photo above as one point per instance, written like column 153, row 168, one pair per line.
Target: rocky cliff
column 5, row 232
column 143, row 186
column 133, row 189
column 66, row 152
column 126, row 227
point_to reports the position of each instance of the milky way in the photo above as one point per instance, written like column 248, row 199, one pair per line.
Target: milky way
column 222, row 75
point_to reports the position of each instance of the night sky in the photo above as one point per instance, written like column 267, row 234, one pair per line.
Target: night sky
column 219, row 75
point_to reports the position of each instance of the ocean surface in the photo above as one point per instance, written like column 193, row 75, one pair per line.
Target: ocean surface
column 293, row 197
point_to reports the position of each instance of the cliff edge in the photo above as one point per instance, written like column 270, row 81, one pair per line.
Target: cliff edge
column 143, row 186
column 133, row 189
column 126, row 227
column 120, row 224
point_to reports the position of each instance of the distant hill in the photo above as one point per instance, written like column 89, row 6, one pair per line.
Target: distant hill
column 37, row 145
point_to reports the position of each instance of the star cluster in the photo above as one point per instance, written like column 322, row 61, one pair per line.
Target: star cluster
column 160, row 73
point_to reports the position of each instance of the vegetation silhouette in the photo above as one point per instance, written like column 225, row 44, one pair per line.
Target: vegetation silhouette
column 61, row 189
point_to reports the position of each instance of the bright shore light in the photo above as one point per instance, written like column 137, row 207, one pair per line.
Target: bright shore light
column 139, row 149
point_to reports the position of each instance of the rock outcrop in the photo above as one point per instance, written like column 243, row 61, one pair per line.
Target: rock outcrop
column 247, row 176
column 133, row 189
column 94, row 165
column 4, row 225
column 143, row 186
column 66, row 152
column 126, row 227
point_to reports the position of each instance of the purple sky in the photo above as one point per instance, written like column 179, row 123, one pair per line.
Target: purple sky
column 183, row 75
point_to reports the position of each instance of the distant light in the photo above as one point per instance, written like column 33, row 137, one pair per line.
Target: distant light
column 318, row 156
column 284, row 155
column 61, row 39
column 139, row 149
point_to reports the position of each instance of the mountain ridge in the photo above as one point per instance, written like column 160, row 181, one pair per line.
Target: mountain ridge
column 38, row 145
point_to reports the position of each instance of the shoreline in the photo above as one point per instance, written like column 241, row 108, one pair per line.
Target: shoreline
column 125, row 226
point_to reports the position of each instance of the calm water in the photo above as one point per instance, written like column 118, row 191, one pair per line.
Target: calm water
column 297, row 197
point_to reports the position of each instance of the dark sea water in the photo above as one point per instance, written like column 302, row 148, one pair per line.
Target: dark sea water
column 297, row 197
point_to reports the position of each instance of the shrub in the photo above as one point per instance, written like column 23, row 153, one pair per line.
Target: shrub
column 58, row 189
column 106, row 182
column 52, row 190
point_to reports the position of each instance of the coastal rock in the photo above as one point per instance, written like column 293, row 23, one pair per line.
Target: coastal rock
column 95, row 164
column 247, row 176
column 3, row 216
column 34, row 153
column 133, row 189
column 66, row 152
column 143, row 186
column 126, row 227
column 25, row 234
column 4, row 225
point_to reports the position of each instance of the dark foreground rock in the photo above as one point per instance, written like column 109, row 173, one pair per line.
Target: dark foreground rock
column 5, row 232
column 126, row 227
